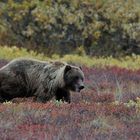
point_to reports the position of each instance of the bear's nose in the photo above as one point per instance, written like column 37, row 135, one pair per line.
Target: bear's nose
column 81, row 87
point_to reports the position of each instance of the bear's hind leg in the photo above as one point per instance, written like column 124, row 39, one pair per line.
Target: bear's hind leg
column 11, row 87
column 2, row 100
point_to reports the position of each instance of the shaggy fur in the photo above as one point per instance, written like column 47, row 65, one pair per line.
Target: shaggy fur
column 29, row 77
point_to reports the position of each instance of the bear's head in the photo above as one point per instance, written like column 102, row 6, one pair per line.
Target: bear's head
column 73, row 78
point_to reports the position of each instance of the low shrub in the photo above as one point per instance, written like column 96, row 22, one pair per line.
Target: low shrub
column 128, row 62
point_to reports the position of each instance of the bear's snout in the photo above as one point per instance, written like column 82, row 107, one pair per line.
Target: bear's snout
column 81, row 87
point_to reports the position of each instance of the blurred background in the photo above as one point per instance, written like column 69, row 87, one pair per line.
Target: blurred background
column 91, row 27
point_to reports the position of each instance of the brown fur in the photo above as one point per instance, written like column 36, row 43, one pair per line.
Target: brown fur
column 29, row 77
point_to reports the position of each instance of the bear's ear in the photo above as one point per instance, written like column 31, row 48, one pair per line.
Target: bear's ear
column 67, row 68
column 80, row 68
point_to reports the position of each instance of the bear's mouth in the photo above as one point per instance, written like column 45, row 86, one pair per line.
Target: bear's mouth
column 78, row 89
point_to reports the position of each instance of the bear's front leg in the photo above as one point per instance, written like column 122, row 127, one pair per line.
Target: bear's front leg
column 63, row 95
column 67, row 97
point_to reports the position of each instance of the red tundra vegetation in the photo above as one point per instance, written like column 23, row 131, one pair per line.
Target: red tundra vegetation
column 108, row 108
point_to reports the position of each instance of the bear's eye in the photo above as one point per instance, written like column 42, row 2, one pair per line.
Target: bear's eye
column 76, row 77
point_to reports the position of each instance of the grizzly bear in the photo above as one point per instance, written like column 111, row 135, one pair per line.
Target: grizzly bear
column 43, row 80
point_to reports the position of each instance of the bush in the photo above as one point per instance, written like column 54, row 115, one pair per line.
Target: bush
column 102, row 27
column 128, row 62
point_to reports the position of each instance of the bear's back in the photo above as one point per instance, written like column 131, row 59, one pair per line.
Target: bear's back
column 22, row 64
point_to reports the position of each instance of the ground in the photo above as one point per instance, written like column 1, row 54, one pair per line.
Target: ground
column 108, row 108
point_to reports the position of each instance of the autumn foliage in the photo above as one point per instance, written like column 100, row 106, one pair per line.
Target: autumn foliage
column 108, row 108
column 98, row 27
